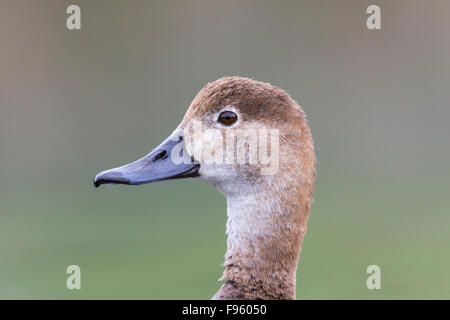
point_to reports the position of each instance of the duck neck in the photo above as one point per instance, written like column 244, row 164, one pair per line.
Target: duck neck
column 265, row 232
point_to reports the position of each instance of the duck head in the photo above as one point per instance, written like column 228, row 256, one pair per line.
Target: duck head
column 251, row 141
column 234, row 135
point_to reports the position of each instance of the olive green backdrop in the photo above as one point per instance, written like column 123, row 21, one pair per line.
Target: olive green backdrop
column 73, row 103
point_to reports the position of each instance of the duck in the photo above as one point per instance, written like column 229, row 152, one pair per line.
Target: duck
column 267, row 210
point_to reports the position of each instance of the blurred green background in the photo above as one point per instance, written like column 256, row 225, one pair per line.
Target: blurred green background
column 73, row 103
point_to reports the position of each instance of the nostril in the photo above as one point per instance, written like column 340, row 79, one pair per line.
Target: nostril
column 160, row 156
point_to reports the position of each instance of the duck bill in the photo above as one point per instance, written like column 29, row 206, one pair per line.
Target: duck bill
column 167, row 161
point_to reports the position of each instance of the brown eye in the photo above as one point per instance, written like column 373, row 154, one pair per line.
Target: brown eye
column 227, row 118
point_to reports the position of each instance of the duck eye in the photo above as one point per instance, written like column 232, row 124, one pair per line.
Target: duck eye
column 227, row 118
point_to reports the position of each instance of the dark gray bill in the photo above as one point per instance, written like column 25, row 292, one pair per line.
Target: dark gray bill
column 160, row 164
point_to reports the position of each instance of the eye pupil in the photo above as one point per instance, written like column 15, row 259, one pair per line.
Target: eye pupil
column 227, row 118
